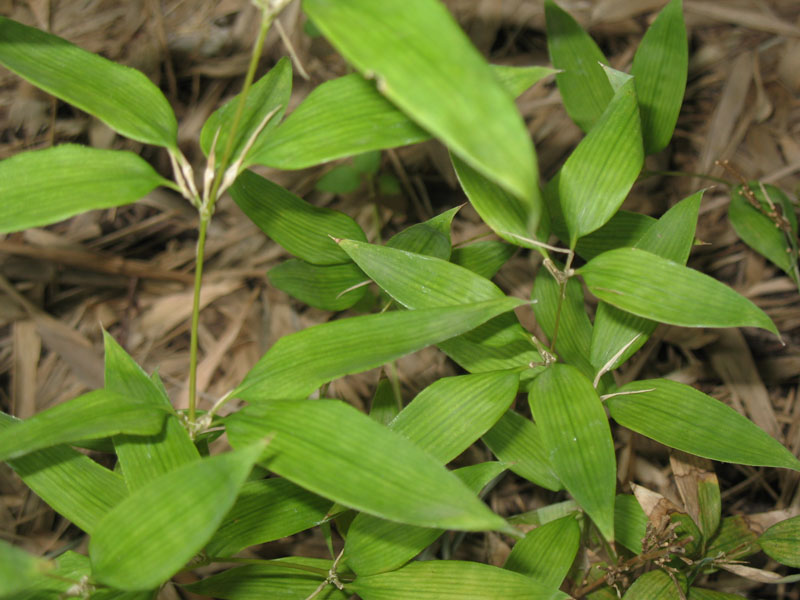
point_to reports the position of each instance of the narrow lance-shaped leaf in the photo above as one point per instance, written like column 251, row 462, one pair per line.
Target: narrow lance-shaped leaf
column 329, row 287
column 122, row 97
column 376, row 545
column 671, row 237
column 18, row 569
column 95, row 415
column 483, row 258
column 634, row 280
column 348, row 116
column 344, row 455
column 299, row 363
column 684, row 418
column 630, row 522
column 624, row 229
column 570, row 416
column 269, row 93
column 782, row 542
column 45, row 186
column 301, row 228
column 660, row 68
column 154, row 532
column 600, row 172
column 657, row 585
column 547, row 552
column 452, row 580
column 518, row 442
column 444, row 84
column 70, row 482
column 583, row 85
column 63, row 573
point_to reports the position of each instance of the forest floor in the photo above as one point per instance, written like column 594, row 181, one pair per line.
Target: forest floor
column 129, row 270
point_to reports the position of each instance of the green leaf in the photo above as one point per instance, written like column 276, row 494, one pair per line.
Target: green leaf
column 122, row 97
column 385, row 404
column 445, row 85
column 344, row 455
column 758, row 231
column 65, row 571
column 299, row 363
column 376, row 545
column 574, row 427
column 735, row 539
column 684, row 418
column 634, row 280
column 342, row 179
column 547, row 552
column 696, row 593
column 92, row 416
column 452, row 580
column 660, row 67
column 348, row 116
column 301, row 228
column 584, row 86
column 422, row 239
column 143, row 458
column 622, row 230
column 483, row 258
column 670, row 237
column 270, row 92
column 518, row 442
column 156, row 530
column 367, row 163
column 281, row 579
column 70, row 482
column 656, row 585
column 545, row 514
column 67, row 180
column 18, row 569
column 782, row 542
column 600, row 172
column 513, row 218
column 518, row 79
column 329, row 287
column 630, row 522
column 266, row 510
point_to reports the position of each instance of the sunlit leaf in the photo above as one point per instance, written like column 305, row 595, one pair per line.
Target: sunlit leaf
column 574, row 427
column 18, row 569
column 299, row 363
column 67, row 180
column 630, row 522
column 122, row 97
column 547, row 552
column 301, row 228
column 329, row 287
column 633, row 280
column 624, row 229
column 682, row 417
column 584, row 86
column 385, row 404
column 782, row 542
column 445, row 85
column 344, row 455
column 660, row 67
column 156, row 530
column 517, row 79
column 483, row 258
column 657, row 585
column 452, row 580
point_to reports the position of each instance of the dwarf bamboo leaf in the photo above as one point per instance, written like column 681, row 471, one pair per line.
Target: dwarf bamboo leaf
column 547, row 552
column 70, row 482
column 483, row 258
column 633, row 280
column 270, row 92
column 45, row 186
column 376, row 545
column 299, row 363
column 696, row 593
column 574, row 427
column 657, row 585
column 660, row 67
column 422, row 239
column 156, row 530
column 518, row 79
column 92, row 416
column 62, row 575
column 671, row 237
column 515, row 219
column 344, row 455
column 584, row 86
column 266, row 510
column 143, row 458
column 782, row 542
column 600, row 172
column 329, row 287
column 630, row 522
column 624, row 229
column 448, row 580
column 450, row 414
column 18, row 569
column 682, row 417
column 301, row 228
column 122, row 97
column 280, row 579
column 435, row 85
column 518, row 442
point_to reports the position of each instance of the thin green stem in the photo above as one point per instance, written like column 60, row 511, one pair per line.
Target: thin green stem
column 198, row 281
